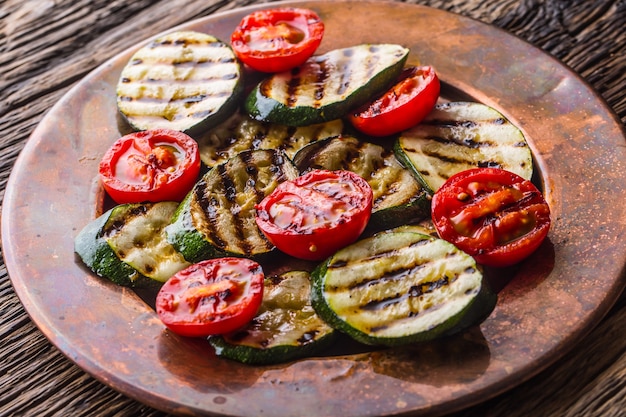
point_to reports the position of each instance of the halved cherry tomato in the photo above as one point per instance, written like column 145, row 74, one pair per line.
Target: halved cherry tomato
column 152, row 165
column 278, row 39
column 401, row 107
column 316, row 214
column 494, row 215
column 211, row 297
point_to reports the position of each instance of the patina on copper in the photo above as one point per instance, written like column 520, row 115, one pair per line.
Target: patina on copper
column 545, row 305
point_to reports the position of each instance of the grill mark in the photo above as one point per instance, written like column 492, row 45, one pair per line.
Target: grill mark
column 396, row 275
column 166, row 43
column 414, row 292
column 276, row 168
column 117, row 225
column 445, row 158
column 320, row 82
column 489, row 164
column 183, row 101
column 189, row 82
column 467, row 142
column 293, row 86
column 210, row 208
column 253, row 174
column 195, row 82
column 336, row 264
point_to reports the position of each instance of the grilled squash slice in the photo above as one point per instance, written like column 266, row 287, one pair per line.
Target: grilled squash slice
column 326, row 86
column 182, row 81
column 285, row 328
column 127, row 245
column 217, row 218
column 400, row 287
column 462, row 135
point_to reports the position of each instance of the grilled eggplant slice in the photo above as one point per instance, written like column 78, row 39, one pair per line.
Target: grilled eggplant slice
column 462, row 135
column 326, row 86
column 400, row 287
column 240, row 133
column 399, row 197
column 285, row 328
column 183, row 81
column 127, row 245
column 217, row 218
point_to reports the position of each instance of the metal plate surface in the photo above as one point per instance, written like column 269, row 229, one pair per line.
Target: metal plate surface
column 545, row 306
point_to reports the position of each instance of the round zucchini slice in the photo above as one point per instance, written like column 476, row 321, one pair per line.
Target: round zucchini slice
column 326, row 87
column 285, row 328
column 400, row 287
column 186, row 81
column 127, row 246
column 463, row 135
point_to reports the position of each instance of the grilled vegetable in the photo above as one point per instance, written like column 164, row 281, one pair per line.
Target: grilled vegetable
column 328, row 86
column 458, row 136
column 399, row 197
column 240, row 133
column 151, row 165
column 274, row 40
column 316, row 214
column 403, row 106
column 127, row 245
column 211, row 297
column 400, row 287
column 182, row 81
column 494, row 215
column 285, row 328
column 217, row 218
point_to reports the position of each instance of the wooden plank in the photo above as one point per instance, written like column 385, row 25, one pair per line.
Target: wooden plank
column 46, row 47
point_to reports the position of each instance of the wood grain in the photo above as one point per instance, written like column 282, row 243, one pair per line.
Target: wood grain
column 47, row 46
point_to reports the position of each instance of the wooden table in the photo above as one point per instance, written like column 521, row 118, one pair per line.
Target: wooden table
column 46, row 47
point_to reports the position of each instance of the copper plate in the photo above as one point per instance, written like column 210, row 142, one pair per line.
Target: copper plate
column 548, row 304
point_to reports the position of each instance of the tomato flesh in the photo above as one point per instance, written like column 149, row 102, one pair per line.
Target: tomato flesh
column 492, row 214
column 211, row 297
column 152, row 165
column 276, row 40
column 401, row 107
column 316, row 214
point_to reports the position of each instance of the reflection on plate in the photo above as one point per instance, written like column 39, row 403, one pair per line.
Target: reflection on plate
column 545, row 305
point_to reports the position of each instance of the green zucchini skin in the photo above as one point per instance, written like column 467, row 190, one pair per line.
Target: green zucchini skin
column 217, row 218
column 350, row 77
column 187, row 81
column 285, row 328
column 397, row 288
column 240, row 133
column 399, row 196
column 462, row 135
column 96, row 245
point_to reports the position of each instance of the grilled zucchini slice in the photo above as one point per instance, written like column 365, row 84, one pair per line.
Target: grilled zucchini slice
column 127, row 245
column 399, row 197
column 400, row 287
column 462, row 135
column 217, row 218
column 285, row 328
column 328, row 86
column 183, row 81
column 240, row 133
